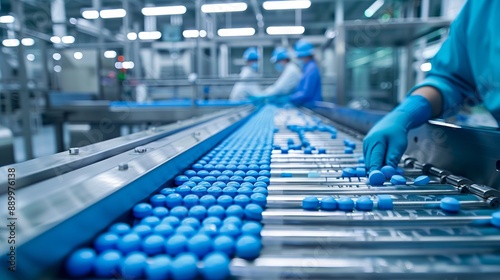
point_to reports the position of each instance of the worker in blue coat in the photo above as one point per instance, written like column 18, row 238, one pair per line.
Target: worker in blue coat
column 309, row 88
column 465, row 70
column 247, row 86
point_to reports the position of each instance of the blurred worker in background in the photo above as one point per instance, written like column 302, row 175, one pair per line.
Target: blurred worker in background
column 288, row 80
column 242, row 90
column 309, row 88
column 463, row 72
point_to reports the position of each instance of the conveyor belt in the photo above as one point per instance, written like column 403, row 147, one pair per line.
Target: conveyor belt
column 414, row 240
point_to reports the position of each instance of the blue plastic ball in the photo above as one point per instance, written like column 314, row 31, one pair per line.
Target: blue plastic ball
column 253, row 212
column 129, row 243
column 81, row 262
column 173, row 200
column 107, row 263
column 176, row 244
column 142, row 210
column 215, row 266
column 200, row 245
column 199, row 212
column 310, row 203
column 158, row 268
column 180, row 212
column 164, row 230
column 171, row 220
column 185, row 266
column 248, row 247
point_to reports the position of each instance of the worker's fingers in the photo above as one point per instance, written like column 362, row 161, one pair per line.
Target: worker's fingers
column 374, row 157
column 395, row 150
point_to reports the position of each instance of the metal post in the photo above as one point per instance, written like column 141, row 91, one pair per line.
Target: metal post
column 340, row 46
column 23, row 80
column 199, row 54
column 97, row 4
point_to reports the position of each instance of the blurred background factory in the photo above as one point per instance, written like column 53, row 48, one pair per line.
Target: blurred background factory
column 63, row 62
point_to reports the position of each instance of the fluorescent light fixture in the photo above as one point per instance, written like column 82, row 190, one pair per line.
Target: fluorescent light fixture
column 73, row 21
column 109, row 54
column 55, row 39
column 203, row 33
column 78, row 55
column 426, row 67
column 56, row 56
column 150, row 35
column 113, row 13
column 224, row 7
column 132, row 36
column 190, row 33
column 285, row 30
column 164, row 11
column 27, row 42
column 286, row 5
column 128, row 64
column 232, row 32
column 10, row 42
column 57, row 68
column 7, row 19
column 68, row 39
column 30, row 57
column 118, row 65
column 90, row 14
column 374, row 8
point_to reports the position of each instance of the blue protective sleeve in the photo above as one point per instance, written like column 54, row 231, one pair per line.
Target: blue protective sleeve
column 415, row 110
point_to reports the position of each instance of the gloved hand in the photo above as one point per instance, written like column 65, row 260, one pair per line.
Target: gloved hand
column 257, row 99
column 387, row 140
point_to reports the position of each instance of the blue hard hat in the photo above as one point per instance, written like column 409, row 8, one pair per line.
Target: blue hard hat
column 303, row 48
column 279, row 53
column 251, row 54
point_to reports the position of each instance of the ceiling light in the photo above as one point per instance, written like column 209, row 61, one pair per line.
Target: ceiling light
column 231, row 32
column 109, row 54
column 68, row 39
column 285, row 30
column 56, row 56
column 132, row 36
column 10, row 42
column 30, row 57
column 7, row 19
column 27, row 42
column 78, row 55
column 426, row 67
column 224, row 7
column 163, row 11
column 190, row 33
column 73, row 21
column 113, row 13
column 374, row 8
column 128, row 64
column 55, row 39
column 286, row 5
column 57, row 68
column 90, row 14
column 150, row 35
column 203, row 33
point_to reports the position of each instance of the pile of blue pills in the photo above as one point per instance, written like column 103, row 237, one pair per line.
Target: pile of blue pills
column 344, row 203
column 193, row 230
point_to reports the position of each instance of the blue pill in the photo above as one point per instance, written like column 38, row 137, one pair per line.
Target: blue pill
column 171, row 220
column 361, row 172
column 183, row 190
column 361, row 160
column 202, row 173
column 220, row 167
column 199, row 191
column 176, row 244
column 81, row 262
column 210, row 179
column 230, row 229
column 284, row 150
column 208, row 200
column 328, row 203
column 240, row 173
column 348, row 150
column 399, row 171
column 215, row 173
column 199, row 212
column 190, row 200
column 398, row 180
column 310, row 203
column 250, row 179
column 191, row 221
column 173, row 200
column 218, row 184
column 235, row 210
column 212, row 220
column 230, row 191
column 450, row 204
column 233, row 184
column 241, row 200
column 180, row 212
column 190, row 173
column 246, row 185
column 185, row 266
column 142, row 210
column 345, row 204
column 153, row 244
column 260, row 184
column 385, row 202
column 254, row 168
column 224, row 244
column 236, row 178
column 185, row 230
column 261, row 190
column 235, row 220
column 245, row 191
column 495, row 219
column 209, row 167
column 158, row 268
column 251, row 228
column 422, row 180
column 187, row 184
column 248, row 247
column 160, row 212
column 259, row 199
column 388, row 171
column 286, row 174
column 242, row 167
column 265, row 167
column 196, row 179
column 216, row 211
column 266, row 173
column 224, row 178
column 142, row 230
column 253, row 212
column 107, row 263
column 214, row 191
column 231, row 167
column 209, row 230
column 197, row 167
column 158, row 200
column 263, row 179
column 313, row 174
column 321, row 151
column 179, row 180
column 129, row 243
column 164, row 230
column 376, row 178
column 204, row 184
column 167, row 191
column 151, row 221
column 119, row 228
column 200, row 245
column 225, row 200
column 215, row 266
column 348, row 172
column 364, row 203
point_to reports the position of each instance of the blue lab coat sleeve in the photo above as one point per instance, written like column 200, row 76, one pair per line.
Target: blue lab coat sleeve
column 309, row 88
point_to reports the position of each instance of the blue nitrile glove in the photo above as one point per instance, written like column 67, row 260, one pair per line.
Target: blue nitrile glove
column 387, row 140
column 256, row 99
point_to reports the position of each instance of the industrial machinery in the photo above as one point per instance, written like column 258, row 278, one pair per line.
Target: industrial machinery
column 443, row 228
